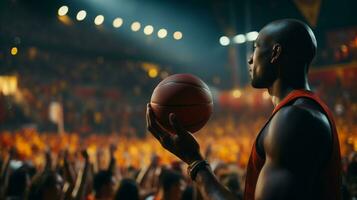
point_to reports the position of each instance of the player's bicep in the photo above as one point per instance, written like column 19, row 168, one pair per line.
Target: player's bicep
column 275, row 183
column 297, row 140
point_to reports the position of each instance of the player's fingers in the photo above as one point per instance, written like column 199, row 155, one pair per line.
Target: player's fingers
column 179, row 129
column 155, row 128
column 153, row 122
column 148, row 124
column 167, row 141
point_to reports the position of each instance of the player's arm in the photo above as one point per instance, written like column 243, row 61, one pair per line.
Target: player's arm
column 184, row 146
column 297, row 145
column 210, row 187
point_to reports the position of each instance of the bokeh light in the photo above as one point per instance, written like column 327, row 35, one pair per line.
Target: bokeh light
column 236, row 93
column 162, row 33
column 14, row 51
column 117, row 22
column 135, row 26
column 153, row 73
column 148, row 30
column 81, row 15
column 178, row 35
column 251, row 36
column 99, row 20
column 164, row 74
column 266, row 95
column 239, row 39
column 224, row 41
column 63, row 10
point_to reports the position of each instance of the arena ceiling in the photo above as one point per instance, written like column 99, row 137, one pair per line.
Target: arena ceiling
column 202, row 23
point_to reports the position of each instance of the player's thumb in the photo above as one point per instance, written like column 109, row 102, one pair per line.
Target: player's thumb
column 179, row 129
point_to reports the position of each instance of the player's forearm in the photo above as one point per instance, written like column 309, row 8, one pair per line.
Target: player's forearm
column 210, row 188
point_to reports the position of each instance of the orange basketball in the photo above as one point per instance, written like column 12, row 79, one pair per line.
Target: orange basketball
column 185, row 95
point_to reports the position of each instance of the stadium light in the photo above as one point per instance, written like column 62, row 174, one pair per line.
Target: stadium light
column 81, row 15
column 63, row 10
column 239, row 39
column 251, row 36
column 117, row 22
column 164, row 74
column 152, row 73
column 135, row 26
column 162, row 33
column 99, row 20
column 148, row 30
column 265, row 95
column 236, row 93
column 224, row 40
column 14, row 51
column 177, row 35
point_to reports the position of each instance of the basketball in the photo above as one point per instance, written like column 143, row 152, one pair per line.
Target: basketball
column 185, row 95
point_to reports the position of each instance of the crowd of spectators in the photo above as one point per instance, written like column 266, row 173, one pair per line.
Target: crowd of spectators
column 96, row 94
column 76, row 166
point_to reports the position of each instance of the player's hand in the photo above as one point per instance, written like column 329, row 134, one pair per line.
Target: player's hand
column 182, row 144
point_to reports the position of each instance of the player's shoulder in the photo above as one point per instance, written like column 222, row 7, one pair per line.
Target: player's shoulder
column 293, row 115
column 295, row 130
column 303, row 110
column 289, row 124
column 301, row 119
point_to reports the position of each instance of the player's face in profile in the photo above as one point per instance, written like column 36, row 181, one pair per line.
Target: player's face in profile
column 261, row 71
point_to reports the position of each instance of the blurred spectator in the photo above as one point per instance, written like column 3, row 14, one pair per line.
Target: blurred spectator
column 104, row 185
column 128, row 189
column 46, row 186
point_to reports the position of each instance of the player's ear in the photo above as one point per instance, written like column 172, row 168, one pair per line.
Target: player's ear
column 276, row 52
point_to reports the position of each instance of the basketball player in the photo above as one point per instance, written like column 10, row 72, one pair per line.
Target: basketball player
column 296, row 154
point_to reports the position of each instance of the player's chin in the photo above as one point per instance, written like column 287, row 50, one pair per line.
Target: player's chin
column 257, row 84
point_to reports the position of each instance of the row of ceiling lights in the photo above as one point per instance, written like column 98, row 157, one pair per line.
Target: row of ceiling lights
column 118, row 22
column 239, row 39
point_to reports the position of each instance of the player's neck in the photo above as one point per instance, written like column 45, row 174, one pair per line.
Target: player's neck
column 280, row 89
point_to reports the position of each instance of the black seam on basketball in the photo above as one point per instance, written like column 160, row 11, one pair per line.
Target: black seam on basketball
column 187, row 105
column 197, row 123
column 193, row 85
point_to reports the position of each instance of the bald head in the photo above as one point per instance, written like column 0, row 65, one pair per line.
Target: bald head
column 284, row 50
column 298, row 42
